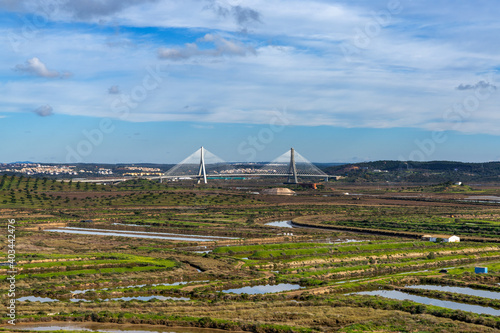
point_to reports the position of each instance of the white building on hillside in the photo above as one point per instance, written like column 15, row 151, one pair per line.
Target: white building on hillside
column 441, row 238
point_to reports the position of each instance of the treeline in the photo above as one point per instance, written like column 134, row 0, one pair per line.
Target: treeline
column 418, row 172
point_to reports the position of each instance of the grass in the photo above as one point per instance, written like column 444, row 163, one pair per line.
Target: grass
column 122, row 263
column 103, row 271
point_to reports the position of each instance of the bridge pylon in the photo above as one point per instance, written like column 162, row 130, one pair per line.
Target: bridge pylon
column 292, row 169
column 202, row 172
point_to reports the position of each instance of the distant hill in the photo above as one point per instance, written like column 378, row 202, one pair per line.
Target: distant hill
column 420, row 172
column 435, row 172
column 327, row 165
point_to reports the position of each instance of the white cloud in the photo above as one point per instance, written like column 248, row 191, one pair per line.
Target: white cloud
column 406, row 77
column 479, row 85
column 89, row 9
column 36, row 67
column 114, row 90
column 220, row 47
column 243, row 16
column 44, row 111
column 81, row 10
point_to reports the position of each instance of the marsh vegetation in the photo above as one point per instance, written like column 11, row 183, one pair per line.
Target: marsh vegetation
column 210, row 278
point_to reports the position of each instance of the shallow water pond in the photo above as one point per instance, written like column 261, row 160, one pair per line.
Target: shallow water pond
column 131, row 224
column 461, row 290
column 112, row 328
column 263, row 289
column 36, row 299
column 394, row 294
column 282, row 224
column 486, row 198
column 146, row 298
column 136, row 234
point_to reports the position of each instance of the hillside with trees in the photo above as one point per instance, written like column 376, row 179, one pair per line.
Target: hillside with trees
column 417, row 172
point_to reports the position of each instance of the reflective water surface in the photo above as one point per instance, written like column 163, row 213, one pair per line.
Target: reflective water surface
column 282, row 224
column 136, row 234
column 484, row 198
column 263, row 289
column 394, row 294
column 146, row 298
column 36, row 299
column 112, row 328
column 461, row 290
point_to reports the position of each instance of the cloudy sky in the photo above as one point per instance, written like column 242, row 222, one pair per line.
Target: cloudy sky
column 341, row 81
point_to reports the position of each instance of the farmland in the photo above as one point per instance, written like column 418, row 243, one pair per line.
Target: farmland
column 348, row 243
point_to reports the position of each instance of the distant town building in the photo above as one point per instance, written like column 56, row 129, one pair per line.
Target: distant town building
column 103, row 171
column 31, row 169
column 441, row 238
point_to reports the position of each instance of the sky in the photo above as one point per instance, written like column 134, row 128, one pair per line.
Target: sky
column 150, row 81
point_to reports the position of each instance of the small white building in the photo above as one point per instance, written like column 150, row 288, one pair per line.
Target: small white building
column 452, row 239
column 441, row 238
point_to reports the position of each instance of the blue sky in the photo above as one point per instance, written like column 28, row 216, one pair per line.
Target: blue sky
column 341, row 81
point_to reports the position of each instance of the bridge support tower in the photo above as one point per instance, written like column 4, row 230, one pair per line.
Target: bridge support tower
column 202, row 173
column 292, row 169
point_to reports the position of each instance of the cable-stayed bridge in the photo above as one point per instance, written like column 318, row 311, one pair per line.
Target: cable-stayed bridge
column 203, row 164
